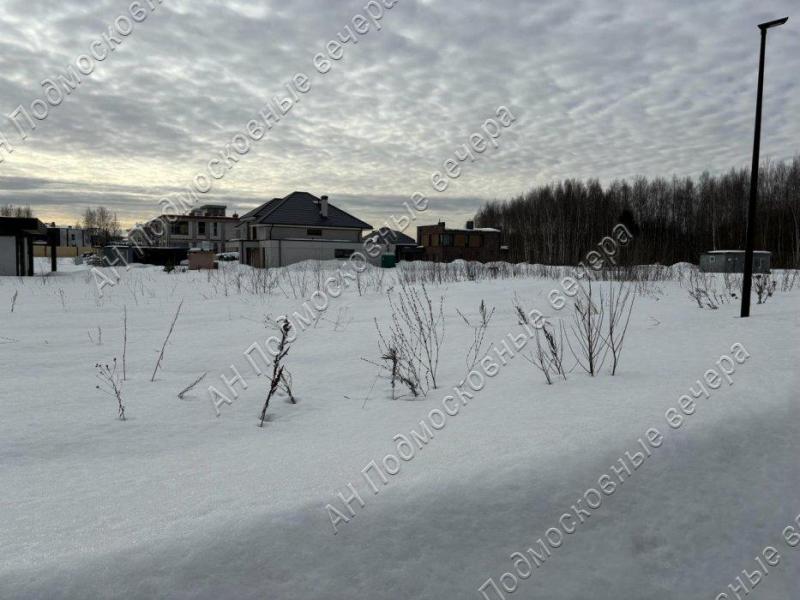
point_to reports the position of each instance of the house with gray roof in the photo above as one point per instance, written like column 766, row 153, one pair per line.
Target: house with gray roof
column 396, row 243
column 298, row 227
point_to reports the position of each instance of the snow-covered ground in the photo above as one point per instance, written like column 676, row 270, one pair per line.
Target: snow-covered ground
column 176, row 502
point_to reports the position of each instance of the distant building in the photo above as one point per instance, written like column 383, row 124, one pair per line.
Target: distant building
column 732, row 261
column 70, row 241
column 206, row 227
column 296, row 228
column 74, row 237
column 445, row 244
column 396, row 243
column 17, row 236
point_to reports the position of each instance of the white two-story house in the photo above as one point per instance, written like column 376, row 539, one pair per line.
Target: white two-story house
column 296, row 228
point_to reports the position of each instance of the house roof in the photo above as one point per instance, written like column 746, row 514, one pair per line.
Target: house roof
column 23, row 225
column 392, row 236
column 301, row 208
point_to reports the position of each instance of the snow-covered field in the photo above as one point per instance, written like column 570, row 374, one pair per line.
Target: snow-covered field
column 176, row 502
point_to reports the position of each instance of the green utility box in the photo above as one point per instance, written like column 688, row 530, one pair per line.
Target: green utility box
column 388, row 261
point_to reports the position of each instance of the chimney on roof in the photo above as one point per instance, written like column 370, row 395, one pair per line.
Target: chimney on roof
column 323, row 207
column 470, row 224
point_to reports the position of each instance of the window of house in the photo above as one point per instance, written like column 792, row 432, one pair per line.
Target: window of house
column 426, row 239
column 314, row 232
column 201, row 228
column 342, row 253
column 179, row 228
column 461, row 240
column 712, row 259
column 475, row 240
column 214, row 228
column 447, row 239
column 434, row 239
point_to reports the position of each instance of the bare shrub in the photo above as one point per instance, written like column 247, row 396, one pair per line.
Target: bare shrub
column 298, row 279
column 111, row 384
column 522, row 315
column 376, row 278
column 163, row 347
column 421, row 323
column 260, row 281
column 703, row 291
column 14, row 300
column 619, row 308
column 548, row 355
column 398, row 362
column 478, row 327
column 280, row 378
column 555, row 348
column 789, row 279
column 586, row 329
column 409, row 349
column 733, row 284
column 538, row 359
column 189, row 387
column 764, row 286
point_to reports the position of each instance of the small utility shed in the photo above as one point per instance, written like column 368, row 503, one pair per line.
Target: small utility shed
column 16, row 244
column 732, row 261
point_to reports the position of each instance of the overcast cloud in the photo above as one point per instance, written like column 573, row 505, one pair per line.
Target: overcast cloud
column 600, row 89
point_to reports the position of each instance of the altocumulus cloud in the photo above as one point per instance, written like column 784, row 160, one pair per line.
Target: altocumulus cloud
column 600, row 89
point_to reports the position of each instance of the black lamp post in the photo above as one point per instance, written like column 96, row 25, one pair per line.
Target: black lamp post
column 751, row 210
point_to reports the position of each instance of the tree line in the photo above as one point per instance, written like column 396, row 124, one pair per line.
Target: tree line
column 20, row 212
column 103, row 223
column 672, row 220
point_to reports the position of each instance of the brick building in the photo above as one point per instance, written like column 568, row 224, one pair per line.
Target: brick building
column 445, row 244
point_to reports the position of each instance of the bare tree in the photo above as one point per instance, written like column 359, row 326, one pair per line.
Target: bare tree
column 103, row 222
column 9, row 210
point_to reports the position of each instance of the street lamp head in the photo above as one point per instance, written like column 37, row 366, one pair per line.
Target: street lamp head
column 775, row 23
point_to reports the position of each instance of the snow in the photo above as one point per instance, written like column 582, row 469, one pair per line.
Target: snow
column 175, row 502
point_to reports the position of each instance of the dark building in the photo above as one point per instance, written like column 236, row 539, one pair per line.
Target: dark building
column 396, row 243
column 445, row 244
column 17, row 236
column 732, row 261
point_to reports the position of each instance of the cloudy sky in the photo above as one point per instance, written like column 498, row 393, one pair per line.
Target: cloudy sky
column 605, row 89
